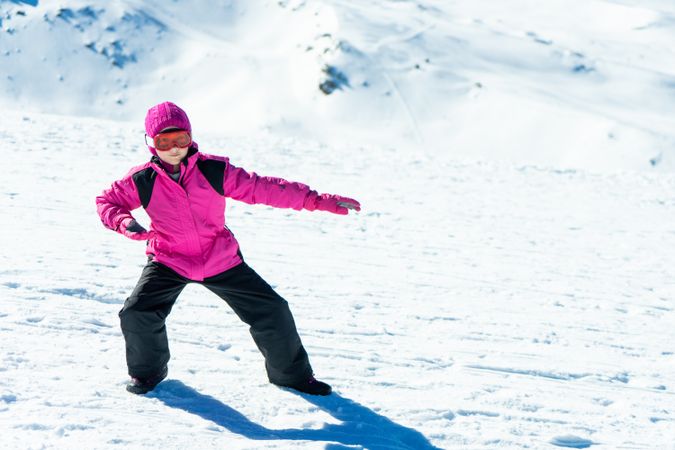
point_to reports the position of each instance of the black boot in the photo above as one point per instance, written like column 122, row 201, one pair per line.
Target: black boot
column 143, row 386
column 311, row 386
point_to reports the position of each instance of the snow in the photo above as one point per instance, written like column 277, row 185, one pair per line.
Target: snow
column 471, row 304
column 572, row 84
column 508, row 283
column 571, row 442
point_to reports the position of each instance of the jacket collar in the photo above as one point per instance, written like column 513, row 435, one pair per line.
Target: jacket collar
column 189, row 161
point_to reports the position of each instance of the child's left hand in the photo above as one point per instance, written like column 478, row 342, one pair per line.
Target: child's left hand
column 348, row 203
column 335, row 204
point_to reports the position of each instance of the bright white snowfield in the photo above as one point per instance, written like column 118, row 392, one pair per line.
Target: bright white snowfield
column 509, row 283
column 469, row 305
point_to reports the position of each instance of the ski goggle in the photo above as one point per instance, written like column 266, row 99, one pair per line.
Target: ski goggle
column 171, row 139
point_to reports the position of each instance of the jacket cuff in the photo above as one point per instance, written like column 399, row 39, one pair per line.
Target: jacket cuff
column 121, row 222
column 311, row 201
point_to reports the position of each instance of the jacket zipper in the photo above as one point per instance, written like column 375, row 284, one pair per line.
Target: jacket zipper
column 195, row 235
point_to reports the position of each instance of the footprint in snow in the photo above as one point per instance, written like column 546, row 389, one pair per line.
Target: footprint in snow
column 571, row 442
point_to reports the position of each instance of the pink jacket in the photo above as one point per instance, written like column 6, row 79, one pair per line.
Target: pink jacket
column 188, row 232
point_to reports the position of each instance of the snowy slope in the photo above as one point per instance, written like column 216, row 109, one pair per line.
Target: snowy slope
column 471, row 304
column 571, row 83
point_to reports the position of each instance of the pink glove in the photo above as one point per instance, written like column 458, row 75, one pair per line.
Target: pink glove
column 331, row 203
column 133, row 230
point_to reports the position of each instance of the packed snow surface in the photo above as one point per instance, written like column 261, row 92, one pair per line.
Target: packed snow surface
column 469, row 305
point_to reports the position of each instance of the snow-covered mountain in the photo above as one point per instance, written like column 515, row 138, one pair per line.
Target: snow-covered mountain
column 563, row 83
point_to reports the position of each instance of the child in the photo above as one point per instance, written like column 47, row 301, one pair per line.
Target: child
column 183, row 192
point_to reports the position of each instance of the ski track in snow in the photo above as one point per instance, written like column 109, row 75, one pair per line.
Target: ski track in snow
column 470, row 304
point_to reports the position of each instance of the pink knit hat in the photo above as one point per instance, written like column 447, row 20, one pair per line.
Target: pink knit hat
column 166, row 115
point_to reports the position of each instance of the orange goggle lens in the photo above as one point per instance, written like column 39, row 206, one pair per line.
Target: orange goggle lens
column 167, row 141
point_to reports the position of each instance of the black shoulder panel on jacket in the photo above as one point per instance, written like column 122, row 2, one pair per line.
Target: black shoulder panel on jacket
column 145, row 181
column 214, row 172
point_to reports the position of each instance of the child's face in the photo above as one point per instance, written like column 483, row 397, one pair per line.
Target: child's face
column 173, row 156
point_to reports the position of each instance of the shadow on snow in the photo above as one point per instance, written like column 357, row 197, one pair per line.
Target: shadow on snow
column 360, row 425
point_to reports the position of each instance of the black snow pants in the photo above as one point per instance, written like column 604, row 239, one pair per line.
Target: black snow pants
column 271, row 323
